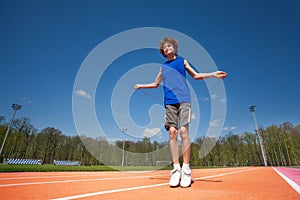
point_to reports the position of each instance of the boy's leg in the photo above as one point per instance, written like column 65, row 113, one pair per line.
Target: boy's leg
column 186, row 144
column 186, row 178
column 185, row 115
column 185, row 118
column 171, row 124
column 173, row 133
column 176, row 172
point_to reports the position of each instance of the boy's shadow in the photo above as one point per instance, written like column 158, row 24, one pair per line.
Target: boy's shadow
column 193, row 180
column 206, row 180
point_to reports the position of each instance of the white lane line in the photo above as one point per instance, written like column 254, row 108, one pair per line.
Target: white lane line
column 75, row 174
column 294, row 185
column 47, row 177
column 73, row 181
column 111, row 191
column 142, row 187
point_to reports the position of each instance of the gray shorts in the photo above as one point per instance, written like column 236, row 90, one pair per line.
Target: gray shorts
column 178, row 115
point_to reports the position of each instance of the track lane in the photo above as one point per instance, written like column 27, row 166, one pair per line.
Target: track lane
column 222, row 183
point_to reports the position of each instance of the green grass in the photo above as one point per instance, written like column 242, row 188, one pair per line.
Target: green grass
column 53, row 168
column 50, row 168
column 139, row 168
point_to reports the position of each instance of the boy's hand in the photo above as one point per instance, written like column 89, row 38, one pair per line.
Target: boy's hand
column 221, row 74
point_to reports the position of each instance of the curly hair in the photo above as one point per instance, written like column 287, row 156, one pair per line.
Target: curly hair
column 168, row 40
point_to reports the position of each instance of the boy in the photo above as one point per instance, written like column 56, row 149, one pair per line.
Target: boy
column 177, row 101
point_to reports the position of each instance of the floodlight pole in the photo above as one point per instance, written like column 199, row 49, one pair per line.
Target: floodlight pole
column 15, row 108
column 261, row 143
column 124, row 130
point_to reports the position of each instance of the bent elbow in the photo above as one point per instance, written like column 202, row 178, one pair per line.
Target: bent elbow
column 156, row 85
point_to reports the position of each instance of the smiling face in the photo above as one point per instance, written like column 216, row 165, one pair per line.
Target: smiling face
column 168, row 46
column 168, row 49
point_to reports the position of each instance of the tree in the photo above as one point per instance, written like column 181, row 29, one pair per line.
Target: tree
column 282, row 145
column 52, row 137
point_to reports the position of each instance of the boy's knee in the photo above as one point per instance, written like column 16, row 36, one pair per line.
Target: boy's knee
column 184, row 132
column 173, row 133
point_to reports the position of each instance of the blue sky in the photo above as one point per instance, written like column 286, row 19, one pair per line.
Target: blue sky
column 44, row 43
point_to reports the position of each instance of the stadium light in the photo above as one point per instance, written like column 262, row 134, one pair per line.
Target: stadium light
column 261, row 144
column 15, row 108
column 124, row 130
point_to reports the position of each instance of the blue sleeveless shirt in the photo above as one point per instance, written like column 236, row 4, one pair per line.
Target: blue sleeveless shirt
column 174, row 82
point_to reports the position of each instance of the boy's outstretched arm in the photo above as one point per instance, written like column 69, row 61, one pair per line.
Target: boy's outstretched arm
column 155, row 84
column 200, row 76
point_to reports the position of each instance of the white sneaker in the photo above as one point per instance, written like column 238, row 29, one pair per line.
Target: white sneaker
column 175, row 177
column 186, row 178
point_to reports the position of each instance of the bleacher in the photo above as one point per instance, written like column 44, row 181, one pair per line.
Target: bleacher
column 17, row 161
column 66, row 162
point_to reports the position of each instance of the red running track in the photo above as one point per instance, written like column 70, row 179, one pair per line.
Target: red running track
column 209, row 184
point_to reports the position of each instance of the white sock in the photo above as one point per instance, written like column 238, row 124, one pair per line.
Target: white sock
column 186, row 166
column 176, row 166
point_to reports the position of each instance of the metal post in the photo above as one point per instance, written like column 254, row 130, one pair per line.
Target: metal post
column 15, row 108
column 261, row 143
column 123, row 154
